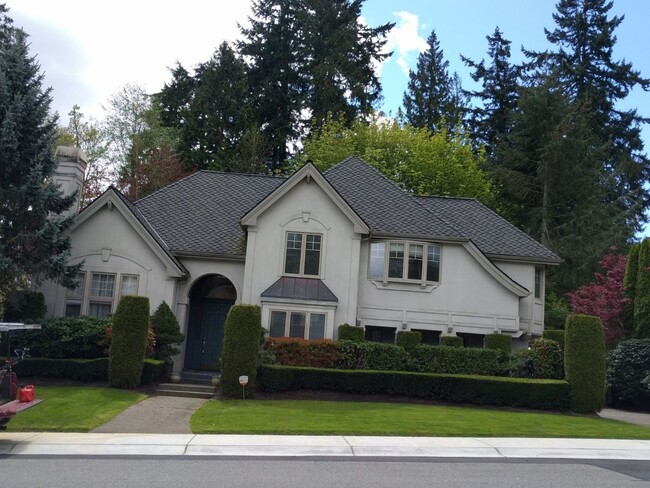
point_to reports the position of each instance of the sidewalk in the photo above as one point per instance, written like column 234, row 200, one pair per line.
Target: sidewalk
column 95, row 444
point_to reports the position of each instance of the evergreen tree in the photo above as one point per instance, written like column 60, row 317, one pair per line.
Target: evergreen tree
column 340, row 61
column 642, row 292
column 432, row 98
column 629, row 288
column 490, row 120
column 34, row 242
column 584, row 40
column 167, row 332
column 551, row 184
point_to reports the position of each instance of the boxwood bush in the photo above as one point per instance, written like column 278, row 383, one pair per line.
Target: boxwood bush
column 451, row 341
column 584, row 362
column 408, row 339
column 458, row 360
column 65, row 337
column 500, row 342
column 372, row 355
column 128, row 342
column 481, row 390
column 627, row 367
column 548, row 362
column 241, row 342
column 555, row 335
column 350, row 333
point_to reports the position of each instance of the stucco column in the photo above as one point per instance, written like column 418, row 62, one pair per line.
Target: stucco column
column 353, row 288
column 249, row 265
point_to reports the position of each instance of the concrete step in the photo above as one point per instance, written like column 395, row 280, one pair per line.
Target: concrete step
column 198, row 377
column 185, row 394
column 186, row 390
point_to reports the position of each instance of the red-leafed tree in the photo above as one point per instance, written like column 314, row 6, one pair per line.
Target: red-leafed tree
column 604, row 297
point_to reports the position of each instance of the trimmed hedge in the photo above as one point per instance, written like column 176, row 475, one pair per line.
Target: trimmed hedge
column 480, row 390
column 555, row 335
column 288, row 351
column 349, row 333
column 458, row 360
column 627, row 367
column 548, row 362
column 408, row 339
column 372, row 355
column 83, row 369
column 241, row 342
column 65, row 337
column 584, row 362
column 500, row 342
column 451, row 341
column 128, row 342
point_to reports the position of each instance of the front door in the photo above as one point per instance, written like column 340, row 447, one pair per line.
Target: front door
column 205, row 333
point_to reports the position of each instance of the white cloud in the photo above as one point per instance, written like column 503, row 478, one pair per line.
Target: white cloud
column 405, row 40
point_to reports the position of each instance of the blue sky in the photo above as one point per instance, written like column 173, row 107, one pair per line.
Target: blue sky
column 88, row 50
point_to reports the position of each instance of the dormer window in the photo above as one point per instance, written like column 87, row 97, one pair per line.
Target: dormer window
column 302, row 256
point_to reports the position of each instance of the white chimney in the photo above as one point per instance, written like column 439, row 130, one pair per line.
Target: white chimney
column 70, row 172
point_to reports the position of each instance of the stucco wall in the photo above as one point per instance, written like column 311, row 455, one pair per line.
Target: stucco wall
column 531, row 309
column 467, row 298
column 306, row 208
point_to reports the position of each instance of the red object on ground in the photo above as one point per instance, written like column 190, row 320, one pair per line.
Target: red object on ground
column 26, row 394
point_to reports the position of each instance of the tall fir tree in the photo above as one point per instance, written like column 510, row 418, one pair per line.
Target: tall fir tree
column 584, row 40
column 629, row 287
column 34, row 240
column 548, row 173
column 490, row 119
column 432, row 95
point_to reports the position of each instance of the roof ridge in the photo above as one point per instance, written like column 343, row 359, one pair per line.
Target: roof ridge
column 441, row 218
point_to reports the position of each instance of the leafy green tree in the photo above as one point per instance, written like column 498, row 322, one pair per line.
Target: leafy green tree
column 89, row 137
column 551, row 184
column 34, row 240
column 434, row 99
column 490, row 120
column 421, row 162
column 642, row 292
column 584, row 42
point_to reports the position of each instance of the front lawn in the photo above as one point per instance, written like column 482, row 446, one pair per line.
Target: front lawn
column 312, row 417
column 73, row 408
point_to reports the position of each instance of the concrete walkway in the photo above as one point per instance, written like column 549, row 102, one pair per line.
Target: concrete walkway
column 155, row 415
column 638, row 418
column 59, row 444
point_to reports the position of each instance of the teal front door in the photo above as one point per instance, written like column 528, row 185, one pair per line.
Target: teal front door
column 205, row 333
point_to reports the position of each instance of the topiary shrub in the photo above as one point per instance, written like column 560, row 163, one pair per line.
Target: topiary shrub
column 548, row 362
column 128, row 342
column 642, row 293
column 500, row 342
column 584, row 362
column 166, row 331
column 451, row 341
column 350, row 333
column 408, row 339
column 240, row 348
column 555, row 335
column 627, row 368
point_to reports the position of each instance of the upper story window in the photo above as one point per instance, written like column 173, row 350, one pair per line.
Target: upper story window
column 538, row 283
column 303, row 253
column 410, row 261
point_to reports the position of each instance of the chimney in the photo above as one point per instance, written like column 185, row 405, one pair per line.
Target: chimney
column 70, row 172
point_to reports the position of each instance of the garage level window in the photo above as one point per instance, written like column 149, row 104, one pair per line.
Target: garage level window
column 302, row 256
column 404, row 261
column 304, row 325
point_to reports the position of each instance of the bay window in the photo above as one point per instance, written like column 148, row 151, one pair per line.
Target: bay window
column 304, row 325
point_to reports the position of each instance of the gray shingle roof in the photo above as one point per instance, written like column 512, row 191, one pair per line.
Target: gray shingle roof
column 386, row 208
column 491, row 233
column 200, row 214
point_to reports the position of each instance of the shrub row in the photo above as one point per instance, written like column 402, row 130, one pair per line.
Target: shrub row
column 82, row 369
column 543, row 360
column 500, row 342
column 348, row 332
column 480, row 390
column 355, row 355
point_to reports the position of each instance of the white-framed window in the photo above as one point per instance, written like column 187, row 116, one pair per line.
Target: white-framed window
column 404, row 261
column 74, row 297
column 539, row 282
column 129, row 285
column 304, row 325
column 302, row 254
column 102, row 292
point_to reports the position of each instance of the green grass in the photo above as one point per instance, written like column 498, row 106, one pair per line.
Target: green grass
column 368, row 418
column 73, row 409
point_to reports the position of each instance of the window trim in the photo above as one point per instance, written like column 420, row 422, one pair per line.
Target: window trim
column 303, row 249
column 405, row 260
column 287, row 321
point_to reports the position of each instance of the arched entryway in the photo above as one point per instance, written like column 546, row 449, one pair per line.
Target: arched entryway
column 210, row 300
